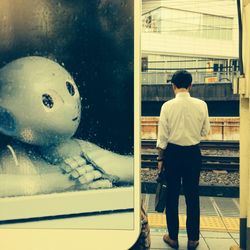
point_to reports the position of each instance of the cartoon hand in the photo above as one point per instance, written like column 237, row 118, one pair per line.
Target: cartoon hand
column 85, row 174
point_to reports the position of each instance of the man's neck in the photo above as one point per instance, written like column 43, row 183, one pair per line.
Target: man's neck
column 181, row 90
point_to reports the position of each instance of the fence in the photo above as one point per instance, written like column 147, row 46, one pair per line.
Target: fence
column 222, row 128
column 198, row 77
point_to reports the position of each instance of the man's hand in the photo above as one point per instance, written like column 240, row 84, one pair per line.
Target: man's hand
column 160, row 165
column 160, row 159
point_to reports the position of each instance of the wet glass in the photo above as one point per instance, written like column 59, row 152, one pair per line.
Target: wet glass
column 66, row 96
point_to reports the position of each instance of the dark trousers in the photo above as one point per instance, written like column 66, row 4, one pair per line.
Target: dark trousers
column 182, row 164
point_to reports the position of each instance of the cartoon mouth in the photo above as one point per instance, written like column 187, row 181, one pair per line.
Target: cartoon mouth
column 74, row 119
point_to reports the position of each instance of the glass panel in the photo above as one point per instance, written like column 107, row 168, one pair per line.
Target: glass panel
column 55, row 72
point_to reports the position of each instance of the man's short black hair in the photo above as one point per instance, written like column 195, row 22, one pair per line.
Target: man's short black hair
column 182, row 79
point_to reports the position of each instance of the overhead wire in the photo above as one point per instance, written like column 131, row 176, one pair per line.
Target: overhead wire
column 192, row 68
column 189, row 60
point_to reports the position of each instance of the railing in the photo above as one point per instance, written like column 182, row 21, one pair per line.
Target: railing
column 198, row 77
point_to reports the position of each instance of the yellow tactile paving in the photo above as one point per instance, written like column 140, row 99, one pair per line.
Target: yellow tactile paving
column 182, row 221
column 208, row 223
column 156, row 220
column 232, row 224
column 213, row 223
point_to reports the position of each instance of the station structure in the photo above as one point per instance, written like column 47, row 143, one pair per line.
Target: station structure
column 201, row 36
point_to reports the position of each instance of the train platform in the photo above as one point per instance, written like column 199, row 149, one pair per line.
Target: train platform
column 219, row 223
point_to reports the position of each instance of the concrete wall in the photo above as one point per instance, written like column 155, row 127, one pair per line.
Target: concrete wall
column 163, row 44
column 222, row 128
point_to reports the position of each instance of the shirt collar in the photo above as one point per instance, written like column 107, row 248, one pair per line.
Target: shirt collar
column 182, row 94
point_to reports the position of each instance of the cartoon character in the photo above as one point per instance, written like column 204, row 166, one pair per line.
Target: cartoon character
column 40, row 110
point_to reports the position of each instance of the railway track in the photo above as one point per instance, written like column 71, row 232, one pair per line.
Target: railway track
column 229, row 164
column 209, row 162
column 232, row 145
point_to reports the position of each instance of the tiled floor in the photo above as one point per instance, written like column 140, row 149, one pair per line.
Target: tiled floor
column 208, row 240
column 222, row 237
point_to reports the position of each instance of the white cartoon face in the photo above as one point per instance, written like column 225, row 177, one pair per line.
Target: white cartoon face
column 39, row 101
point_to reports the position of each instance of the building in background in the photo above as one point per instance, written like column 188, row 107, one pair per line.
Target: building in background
column 201, row 36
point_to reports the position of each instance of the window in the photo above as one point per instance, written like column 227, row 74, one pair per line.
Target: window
column 176, row 22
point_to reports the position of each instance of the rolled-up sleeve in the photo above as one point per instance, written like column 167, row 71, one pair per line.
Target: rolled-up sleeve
column 206, row 124
column 162, row 139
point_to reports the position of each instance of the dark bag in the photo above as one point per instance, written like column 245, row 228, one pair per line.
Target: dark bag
column 161, row 193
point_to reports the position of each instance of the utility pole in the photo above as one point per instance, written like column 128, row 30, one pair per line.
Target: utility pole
column 242, row 87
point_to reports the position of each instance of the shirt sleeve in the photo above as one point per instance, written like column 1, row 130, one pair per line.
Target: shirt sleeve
column 163, row 130
column 206, row 124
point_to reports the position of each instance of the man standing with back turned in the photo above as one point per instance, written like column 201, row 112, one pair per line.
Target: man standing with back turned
column 183, row 120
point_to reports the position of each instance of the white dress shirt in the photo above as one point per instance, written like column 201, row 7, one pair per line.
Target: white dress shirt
column 183, row 121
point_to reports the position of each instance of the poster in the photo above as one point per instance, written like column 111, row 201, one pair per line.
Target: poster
column 52, row 51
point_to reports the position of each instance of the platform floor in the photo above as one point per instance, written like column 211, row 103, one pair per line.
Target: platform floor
column 219, row 223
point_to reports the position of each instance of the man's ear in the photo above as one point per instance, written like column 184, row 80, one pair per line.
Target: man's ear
column 189, row 87
column 7, row 122
column 174, row 87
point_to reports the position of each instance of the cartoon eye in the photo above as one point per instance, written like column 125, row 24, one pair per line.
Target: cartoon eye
column 47, row 101
column 70, row 88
